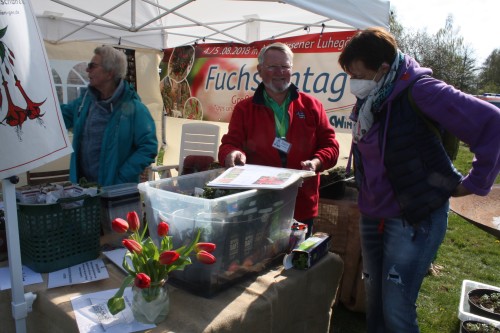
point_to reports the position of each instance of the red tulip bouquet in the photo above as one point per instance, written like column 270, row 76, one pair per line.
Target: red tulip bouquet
column 151, row 264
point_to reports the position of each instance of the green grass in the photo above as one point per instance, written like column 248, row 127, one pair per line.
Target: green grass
column 467, row 253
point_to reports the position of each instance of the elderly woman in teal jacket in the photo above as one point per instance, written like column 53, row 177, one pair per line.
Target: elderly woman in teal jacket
column 114, row 134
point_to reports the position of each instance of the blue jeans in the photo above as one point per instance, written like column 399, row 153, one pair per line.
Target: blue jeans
column 396, row 258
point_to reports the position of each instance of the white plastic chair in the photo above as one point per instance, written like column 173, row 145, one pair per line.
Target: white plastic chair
column 197, row 139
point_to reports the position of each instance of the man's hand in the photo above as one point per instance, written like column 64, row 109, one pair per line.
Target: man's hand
column 312, row 165
column 235, row 157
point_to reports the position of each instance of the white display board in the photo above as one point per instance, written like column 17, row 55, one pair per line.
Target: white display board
column 32, row 130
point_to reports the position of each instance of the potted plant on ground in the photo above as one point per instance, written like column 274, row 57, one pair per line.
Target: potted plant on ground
column 485, row 303
column 471, row 326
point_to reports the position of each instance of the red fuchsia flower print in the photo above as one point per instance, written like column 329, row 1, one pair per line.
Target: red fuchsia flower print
column 16, row 114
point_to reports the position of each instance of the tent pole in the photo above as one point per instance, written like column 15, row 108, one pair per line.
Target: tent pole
column 21, row 303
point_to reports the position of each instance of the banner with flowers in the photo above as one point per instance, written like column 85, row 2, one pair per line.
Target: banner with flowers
column 32, row 131
column 205, row 81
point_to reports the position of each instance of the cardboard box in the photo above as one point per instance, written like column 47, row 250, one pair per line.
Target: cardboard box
column 340, row 219
column 311, row 250
column 251, row 228
column 27, row 194
column 52, row 192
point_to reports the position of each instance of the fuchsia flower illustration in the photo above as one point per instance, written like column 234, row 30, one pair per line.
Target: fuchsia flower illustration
column 16, row 114
column 32, row 108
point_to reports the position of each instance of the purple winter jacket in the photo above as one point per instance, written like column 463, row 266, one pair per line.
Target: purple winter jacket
column 473, row 121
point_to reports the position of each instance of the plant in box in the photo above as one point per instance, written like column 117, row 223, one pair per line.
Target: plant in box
column 471, row 326
column 333, row 183
column 150, row 268
column 485, row 303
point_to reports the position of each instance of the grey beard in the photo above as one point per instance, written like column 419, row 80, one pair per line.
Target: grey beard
column 275, row 90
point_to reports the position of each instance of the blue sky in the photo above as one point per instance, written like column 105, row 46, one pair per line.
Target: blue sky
column 478, row 21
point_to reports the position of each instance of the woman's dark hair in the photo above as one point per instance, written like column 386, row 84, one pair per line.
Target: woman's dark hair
column 372, row 46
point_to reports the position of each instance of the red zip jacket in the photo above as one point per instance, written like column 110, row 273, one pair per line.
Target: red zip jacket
column 252, row 131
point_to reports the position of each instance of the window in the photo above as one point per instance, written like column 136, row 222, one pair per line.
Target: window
column 76, row 79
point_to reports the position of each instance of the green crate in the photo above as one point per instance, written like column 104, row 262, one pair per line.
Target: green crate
column 59, row 235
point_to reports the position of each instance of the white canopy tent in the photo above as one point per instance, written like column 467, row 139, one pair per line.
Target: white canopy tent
column 154, row 25
column 161, row 24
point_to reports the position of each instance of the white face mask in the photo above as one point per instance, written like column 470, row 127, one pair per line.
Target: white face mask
column 362, row 87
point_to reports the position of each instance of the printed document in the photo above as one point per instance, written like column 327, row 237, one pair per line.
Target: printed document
column 250, row 176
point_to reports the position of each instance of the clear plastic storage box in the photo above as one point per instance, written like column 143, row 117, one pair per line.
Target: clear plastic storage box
column 250, row 228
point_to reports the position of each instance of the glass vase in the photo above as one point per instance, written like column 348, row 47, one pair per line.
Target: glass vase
column 151, row 305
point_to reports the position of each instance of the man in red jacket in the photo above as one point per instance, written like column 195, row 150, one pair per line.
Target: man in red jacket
column 282, row 127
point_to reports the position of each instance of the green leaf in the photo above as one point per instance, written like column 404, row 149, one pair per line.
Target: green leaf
column 151, row 268
column 185, row 251
column 2, row 51
column 2, row 32
column 180, row 264
column 117, row 303
column 126, row 265
column 166, row 243
column 144, row 230
column 137, row 261
column 149, row 249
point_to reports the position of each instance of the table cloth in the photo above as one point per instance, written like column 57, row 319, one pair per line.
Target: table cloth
column 276, row 300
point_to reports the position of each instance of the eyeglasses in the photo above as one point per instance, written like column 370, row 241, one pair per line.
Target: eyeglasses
column 92, row 65
column 275, row 68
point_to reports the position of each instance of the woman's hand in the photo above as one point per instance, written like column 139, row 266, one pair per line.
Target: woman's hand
column 460, row 191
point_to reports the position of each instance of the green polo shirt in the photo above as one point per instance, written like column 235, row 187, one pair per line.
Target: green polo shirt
column 281, row 117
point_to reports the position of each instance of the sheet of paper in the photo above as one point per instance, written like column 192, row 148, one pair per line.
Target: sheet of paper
column 29, row 277
column 85, row 272
column 250, row 176
column 116, row 257
column 92, row 314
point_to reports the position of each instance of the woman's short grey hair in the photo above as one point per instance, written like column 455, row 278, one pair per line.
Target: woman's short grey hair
column 113, row 60
column 275, row 46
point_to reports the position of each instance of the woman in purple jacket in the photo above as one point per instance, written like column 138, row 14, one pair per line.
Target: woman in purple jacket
column 404, row 175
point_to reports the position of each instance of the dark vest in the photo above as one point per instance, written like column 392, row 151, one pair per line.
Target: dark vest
column 419, row 170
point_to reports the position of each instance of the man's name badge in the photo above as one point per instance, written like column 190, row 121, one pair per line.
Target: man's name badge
column 282, row 145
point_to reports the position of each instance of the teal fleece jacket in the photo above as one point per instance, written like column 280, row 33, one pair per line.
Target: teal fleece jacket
column 129, row 144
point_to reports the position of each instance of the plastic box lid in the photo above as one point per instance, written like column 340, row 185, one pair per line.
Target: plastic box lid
column 464, row 313
column 119, row 190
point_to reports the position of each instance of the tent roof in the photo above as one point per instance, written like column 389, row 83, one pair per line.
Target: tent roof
column 160, row 24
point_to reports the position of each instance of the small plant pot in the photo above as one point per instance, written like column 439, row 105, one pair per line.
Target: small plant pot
column 334, row 190
column 481, row 304
column 471, row 326
column 332, row 183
